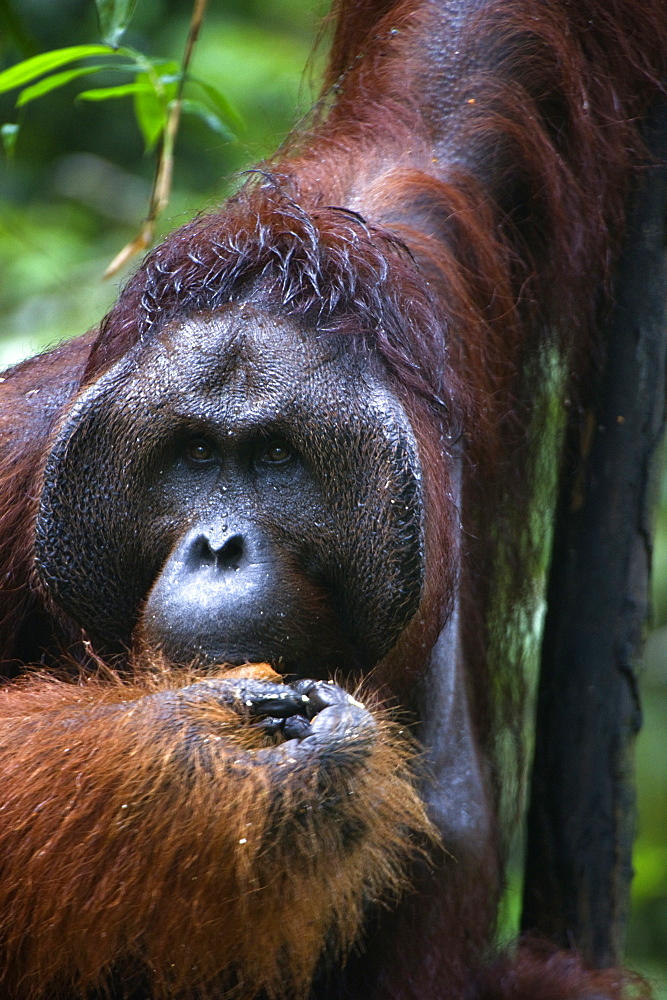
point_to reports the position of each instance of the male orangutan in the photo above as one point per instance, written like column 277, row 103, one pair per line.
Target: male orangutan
column 262, row 533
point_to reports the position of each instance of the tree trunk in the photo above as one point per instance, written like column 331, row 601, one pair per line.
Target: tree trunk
column 582, row 810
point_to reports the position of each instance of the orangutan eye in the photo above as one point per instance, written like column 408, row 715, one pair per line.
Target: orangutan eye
column 276, row 453
column 199, row 452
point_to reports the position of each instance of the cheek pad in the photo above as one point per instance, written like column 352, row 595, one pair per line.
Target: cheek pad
column 91, row 551
column 100, row 544
column 373, row 559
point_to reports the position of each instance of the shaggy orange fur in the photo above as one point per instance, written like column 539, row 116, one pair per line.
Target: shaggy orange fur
column 219, row 857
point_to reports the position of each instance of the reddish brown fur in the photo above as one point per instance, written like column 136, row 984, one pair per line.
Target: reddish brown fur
column 457, row 205
column 112, row 829
column 538, row 972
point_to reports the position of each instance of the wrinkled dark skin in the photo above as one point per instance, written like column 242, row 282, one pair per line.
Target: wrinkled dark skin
column 271, row 474
column 314, row 720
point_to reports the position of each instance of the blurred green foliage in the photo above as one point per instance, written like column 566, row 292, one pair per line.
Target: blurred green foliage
column 78, row 184
column 77, row 189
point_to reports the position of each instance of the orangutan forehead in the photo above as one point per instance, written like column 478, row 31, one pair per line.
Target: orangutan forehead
column 244, row 334
column 245, row 350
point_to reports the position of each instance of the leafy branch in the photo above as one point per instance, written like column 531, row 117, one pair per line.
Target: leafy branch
column 156, row 87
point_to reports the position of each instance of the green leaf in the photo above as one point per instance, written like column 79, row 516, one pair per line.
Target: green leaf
column 30, row 69
column 221, row 104
column 213, row 121
column 56, row 80
column 168, row 69
column 167, row 86
column 10, row 133
column 109, row 93
column 113, row 17
column 150, row 110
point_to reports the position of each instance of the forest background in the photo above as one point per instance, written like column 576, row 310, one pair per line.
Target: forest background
column 75, row 182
